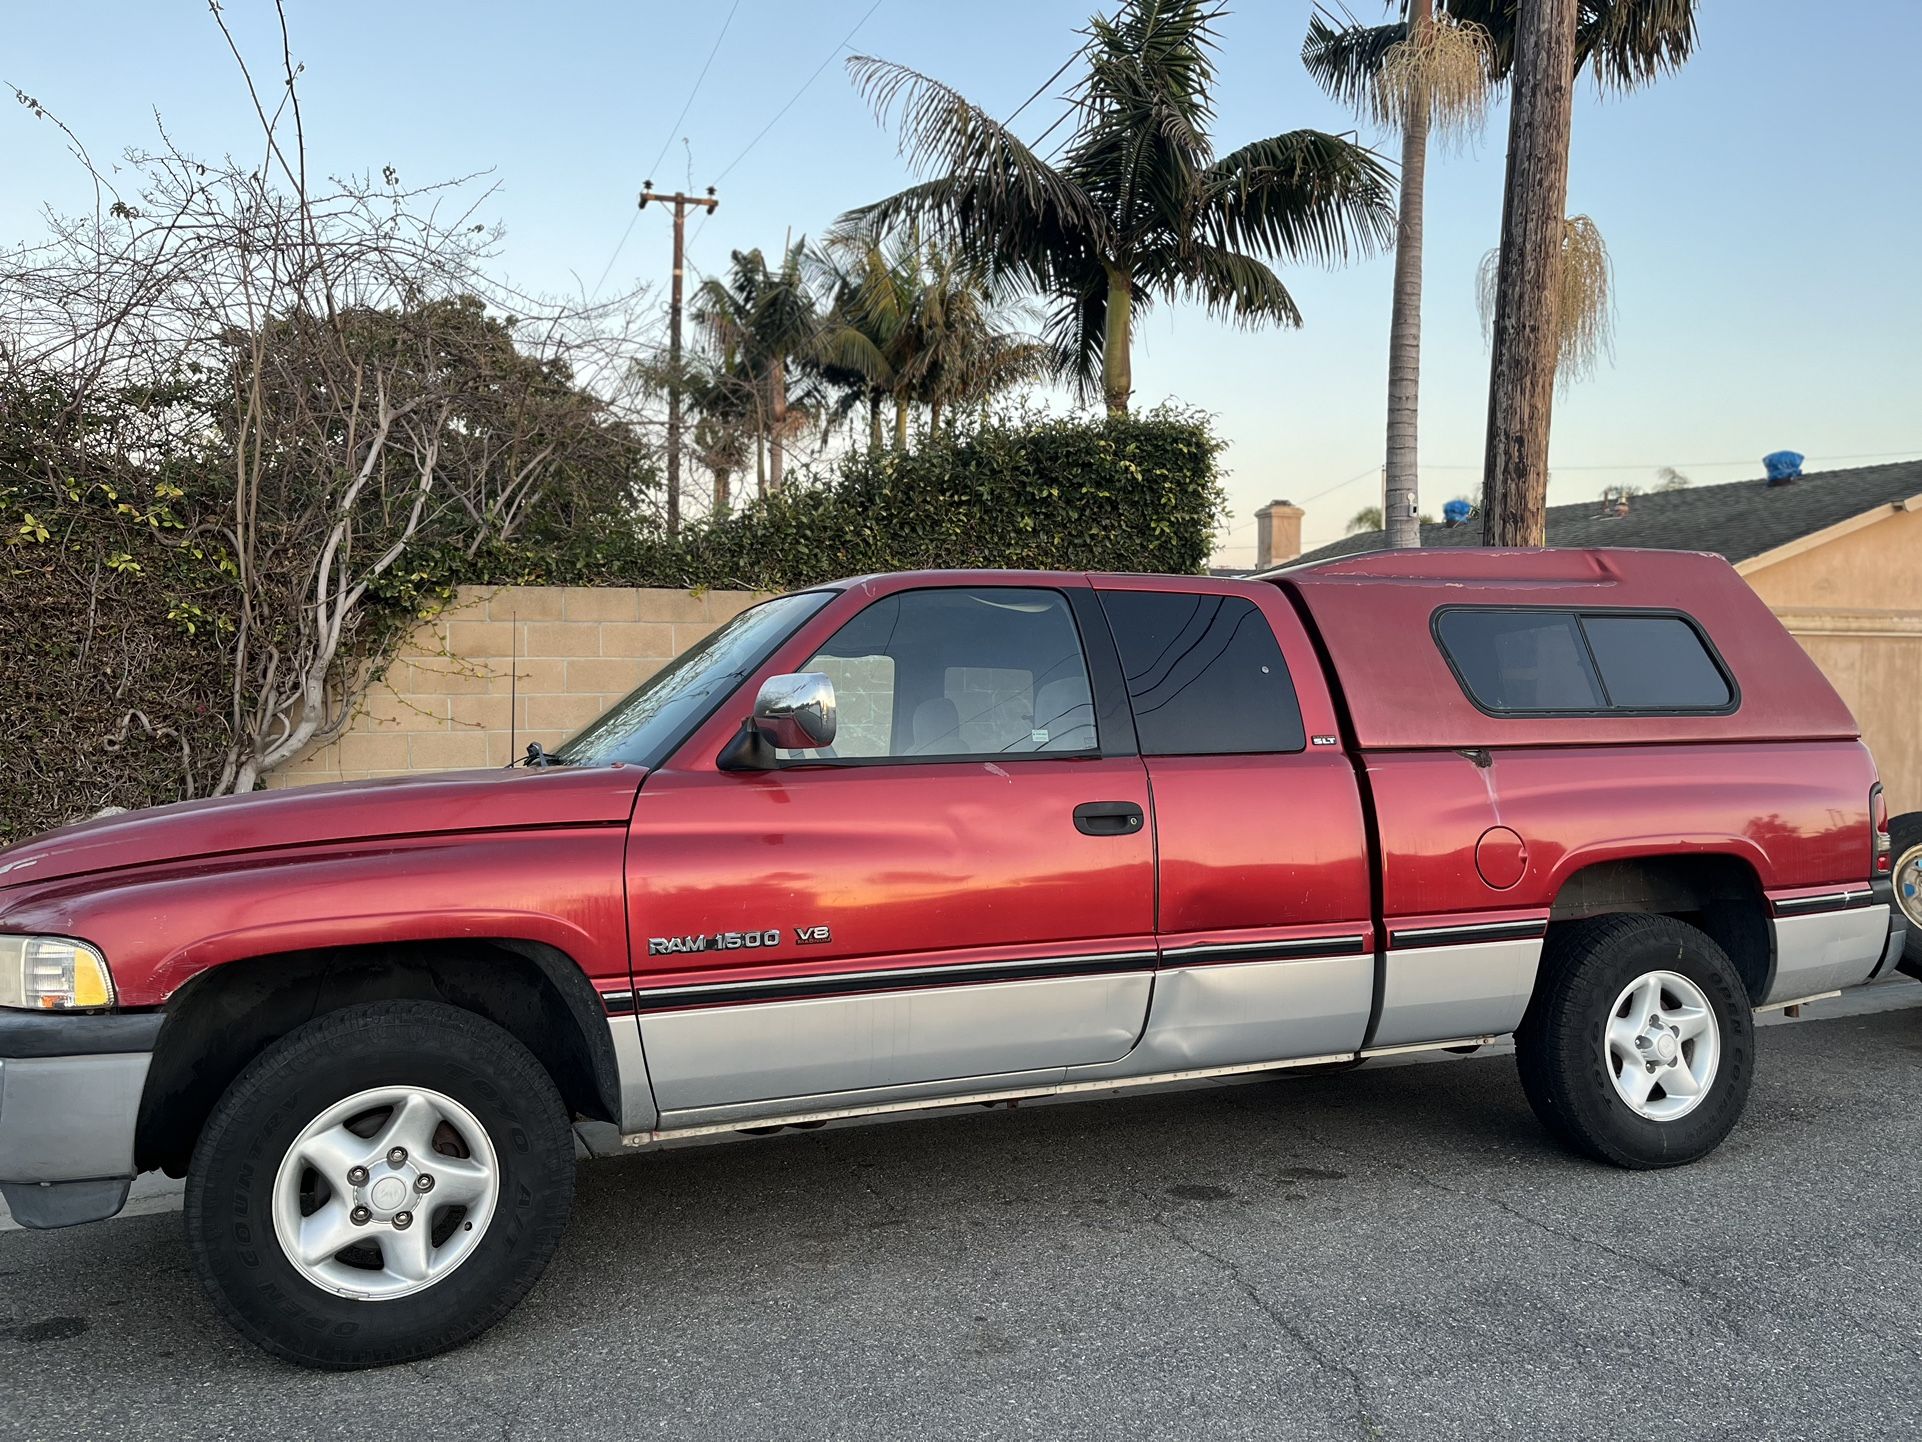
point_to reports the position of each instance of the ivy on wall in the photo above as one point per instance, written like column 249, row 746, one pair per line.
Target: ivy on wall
column 114, row 684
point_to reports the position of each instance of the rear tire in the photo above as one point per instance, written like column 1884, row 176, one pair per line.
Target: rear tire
column 455, row 1168
column 1905, row 836
column 1639, row 1044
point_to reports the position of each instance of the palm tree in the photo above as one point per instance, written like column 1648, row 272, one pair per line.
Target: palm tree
column 767, row 319
column 1432, row 74
column 1384, row 70
column 1139, row 207
column 915, row 324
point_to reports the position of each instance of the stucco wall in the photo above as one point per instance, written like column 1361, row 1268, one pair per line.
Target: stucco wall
column 561, row 654
column 1855, row 604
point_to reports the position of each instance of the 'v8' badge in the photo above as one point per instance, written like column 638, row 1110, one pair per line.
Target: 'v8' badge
column 810, row 935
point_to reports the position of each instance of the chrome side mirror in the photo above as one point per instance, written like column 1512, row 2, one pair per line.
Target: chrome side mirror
column 796, row 712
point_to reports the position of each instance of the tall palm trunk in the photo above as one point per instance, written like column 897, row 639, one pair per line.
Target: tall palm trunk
column 760, row 463
column 721, row 498
column 1402, row 477
column 777, row 416
column 934, row 416
column 874, row 420
column 1527, row 337
column 900, row 423
column 1117, row 371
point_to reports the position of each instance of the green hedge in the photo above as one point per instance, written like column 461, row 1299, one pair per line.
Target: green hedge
column 1135, row 494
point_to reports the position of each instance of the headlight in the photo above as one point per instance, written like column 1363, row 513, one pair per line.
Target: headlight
column 51, row 973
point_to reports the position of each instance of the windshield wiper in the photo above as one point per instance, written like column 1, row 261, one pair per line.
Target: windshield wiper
column 538, row 755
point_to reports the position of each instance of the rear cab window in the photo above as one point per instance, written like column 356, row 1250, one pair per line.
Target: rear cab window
column 1544, row 661
column 1204, row 674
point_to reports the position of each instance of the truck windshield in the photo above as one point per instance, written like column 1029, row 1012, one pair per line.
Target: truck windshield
column 651, row 720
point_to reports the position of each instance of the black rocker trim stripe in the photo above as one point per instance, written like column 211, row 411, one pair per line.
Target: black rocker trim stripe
column 1832, row 901
column 1426, row 936
column 799, row 988
column 1294, row 949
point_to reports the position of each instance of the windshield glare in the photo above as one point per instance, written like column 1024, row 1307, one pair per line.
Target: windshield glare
column 651, row 720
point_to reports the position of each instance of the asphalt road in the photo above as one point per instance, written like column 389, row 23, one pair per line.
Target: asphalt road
column 1393, row 1252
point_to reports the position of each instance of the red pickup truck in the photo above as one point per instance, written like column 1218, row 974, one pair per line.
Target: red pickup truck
column 927, row 840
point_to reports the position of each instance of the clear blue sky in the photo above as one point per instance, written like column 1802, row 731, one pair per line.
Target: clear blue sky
column 1764, row 207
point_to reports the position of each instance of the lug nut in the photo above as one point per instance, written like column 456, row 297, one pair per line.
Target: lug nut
column 403, row 1220
column 356, row 1176
column 360, row 1216
column 1642, row 1042
column 396, row 1156
column 423, row 1183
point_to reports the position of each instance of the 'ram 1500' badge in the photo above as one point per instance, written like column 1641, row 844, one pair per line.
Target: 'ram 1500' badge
column 714, row 941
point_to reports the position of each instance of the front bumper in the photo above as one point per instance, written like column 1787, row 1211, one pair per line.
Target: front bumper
column 69, row 1102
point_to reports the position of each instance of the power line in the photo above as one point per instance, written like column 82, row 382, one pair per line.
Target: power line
column 1044, row 85
column 712, row 52
column 1678, row 465
column 762, row 135
column 634, row 219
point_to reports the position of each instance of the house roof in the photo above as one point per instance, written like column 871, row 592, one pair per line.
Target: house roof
column 1738, row 520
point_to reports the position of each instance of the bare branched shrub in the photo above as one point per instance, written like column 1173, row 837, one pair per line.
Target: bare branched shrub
column 298, row 389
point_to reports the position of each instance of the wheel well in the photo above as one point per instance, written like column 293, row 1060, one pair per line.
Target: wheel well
column 221, row 1020
column 1721, row 895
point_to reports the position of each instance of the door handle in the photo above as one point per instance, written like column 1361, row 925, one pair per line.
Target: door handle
column 1107, row 818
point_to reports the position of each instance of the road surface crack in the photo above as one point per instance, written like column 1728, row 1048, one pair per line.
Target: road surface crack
column 1365, row 1424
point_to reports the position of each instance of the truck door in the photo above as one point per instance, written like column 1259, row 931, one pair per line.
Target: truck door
column 1265, row 928
column 960, row 888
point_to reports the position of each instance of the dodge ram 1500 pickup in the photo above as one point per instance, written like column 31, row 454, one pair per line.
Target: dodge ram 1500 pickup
column 919, row 841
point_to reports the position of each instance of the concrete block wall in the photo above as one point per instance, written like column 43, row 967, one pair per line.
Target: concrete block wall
column 559, row 655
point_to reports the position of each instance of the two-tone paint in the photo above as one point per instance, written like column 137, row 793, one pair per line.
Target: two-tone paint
column 943, row 930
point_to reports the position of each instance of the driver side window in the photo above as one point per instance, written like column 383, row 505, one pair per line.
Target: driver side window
column 986, row 672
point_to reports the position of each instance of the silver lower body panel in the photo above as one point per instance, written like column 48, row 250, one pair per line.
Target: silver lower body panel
column 1827, row 951
column 766, row 1056
column 1252, row 1011
column 638, row 1112
column 1474, row 989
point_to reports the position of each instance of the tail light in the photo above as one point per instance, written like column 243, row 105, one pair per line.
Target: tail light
column 1879, row 830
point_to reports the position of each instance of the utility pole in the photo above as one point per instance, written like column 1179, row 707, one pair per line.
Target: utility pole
column 681, row 204
column 1521, row 380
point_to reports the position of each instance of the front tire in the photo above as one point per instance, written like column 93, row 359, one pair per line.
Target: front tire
column 382, row 1184
column 1639, row 1044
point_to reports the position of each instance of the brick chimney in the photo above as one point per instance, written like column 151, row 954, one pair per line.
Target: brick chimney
column 1277, row 534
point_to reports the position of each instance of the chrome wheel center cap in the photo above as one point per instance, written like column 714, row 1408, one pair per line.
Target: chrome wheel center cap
column 387, row 1195
column 1665, row 1048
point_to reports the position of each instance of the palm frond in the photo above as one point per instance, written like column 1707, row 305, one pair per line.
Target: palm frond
column 986, row 177
column 1239, row 288
column 1075, row 330
column 1626, row 43
column 1344, row 58
column 1305, row 195
column 1622, row 43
